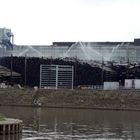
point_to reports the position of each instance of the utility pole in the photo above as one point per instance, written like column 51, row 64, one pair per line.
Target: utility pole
column 102, row 73
column 12, row 41
column 11, row 69
column 25, row 70
column 75, row 71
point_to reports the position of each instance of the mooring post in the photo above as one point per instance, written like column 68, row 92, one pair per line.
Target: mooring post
column 9, row 129
column 3, row 129
column 10, row 126
column 13, row 128
column 20, row 127
column 17, row 128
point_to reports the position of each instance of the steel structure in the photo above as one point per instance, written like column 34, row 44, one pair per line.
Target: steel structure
column 56, row 76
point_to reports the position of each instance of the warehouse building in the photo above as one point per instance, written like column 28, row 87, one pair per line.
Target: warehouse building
column 97, row 51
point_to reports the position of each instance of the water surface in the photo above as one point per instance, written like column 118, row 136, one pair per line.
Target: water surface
column 74, row 124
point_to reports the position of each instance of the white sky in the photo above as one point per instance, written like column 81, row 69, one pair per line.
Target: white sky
column 44, row 21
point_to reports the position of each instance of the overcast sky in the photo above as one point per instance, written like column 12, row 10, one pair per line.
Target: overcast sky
column 45, row 21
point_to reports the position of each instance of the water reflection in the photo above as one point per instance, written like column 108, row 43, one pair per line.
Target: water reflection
column 44, row 123
column 36, row 119
column 11, row 137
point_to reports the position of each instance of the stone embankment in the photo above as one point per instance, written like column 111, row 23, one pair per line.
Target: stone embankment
column 88, row 99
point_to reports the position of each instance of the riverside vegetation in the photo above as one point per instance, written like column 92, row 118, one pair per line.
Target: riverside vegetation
column 2, row 117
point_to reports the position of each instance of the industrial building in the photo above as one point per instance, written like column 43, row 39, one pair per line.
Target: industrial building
column 107, row 51
column 93, row 62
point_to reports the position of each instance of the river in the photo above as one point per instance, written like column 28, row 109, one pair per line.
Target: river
column 74, row 124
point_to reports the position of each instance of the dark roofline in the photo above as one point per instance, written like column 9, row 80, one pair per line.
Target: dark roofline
column 99, row 43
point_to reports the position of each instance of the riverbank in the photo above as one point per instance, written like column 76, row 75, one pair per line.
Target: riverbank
column 85, row 99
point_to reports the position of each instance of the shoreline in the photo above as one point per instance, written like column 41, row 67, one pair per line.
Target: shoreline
column 118, row 100
column 76, row 107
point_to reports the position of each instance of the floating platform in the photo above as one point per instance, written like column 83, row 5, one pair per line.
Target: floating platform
column 10, row 126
